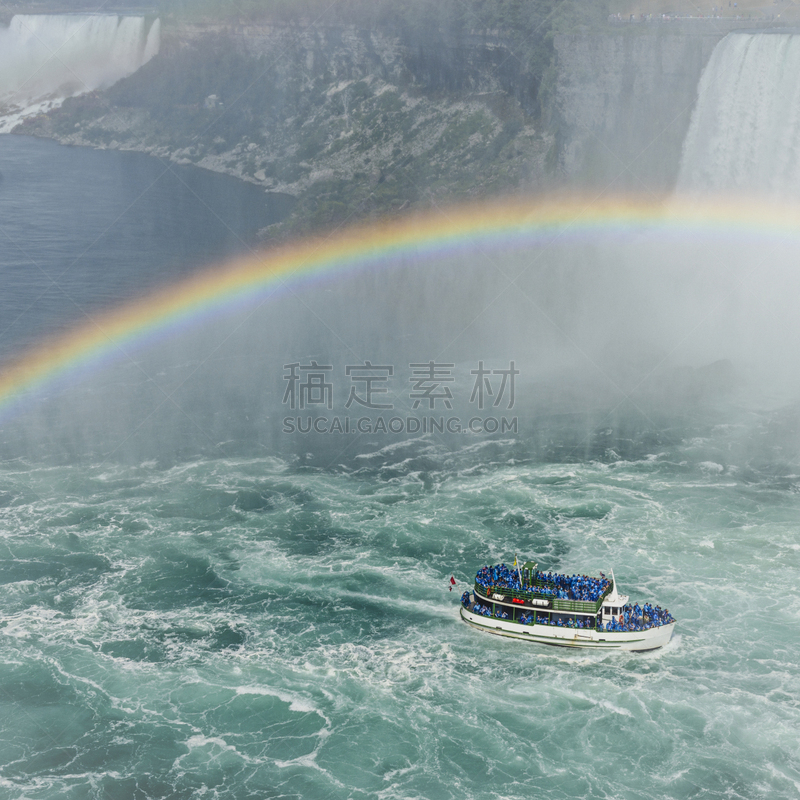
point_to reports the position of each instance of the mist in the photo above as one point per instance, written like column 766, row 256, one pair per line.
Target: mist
column 651, row 323
column 657, row 318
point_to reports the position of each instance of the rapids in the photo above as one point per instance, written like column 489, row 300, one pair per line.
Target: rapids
column 256, row 628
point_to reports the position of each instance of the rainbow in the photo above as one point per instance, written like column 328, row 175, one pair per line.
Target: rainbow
column 252, row 281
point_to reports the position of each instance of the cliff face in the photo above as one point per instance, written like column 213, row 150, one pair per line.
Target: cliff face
column 359, row 123
column 623, row 104
column 351, row 122
column 434, row 61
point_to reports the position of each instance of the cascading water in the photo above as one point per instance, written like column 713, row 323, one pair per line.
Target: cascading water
column 45, row 58
column 744, row 137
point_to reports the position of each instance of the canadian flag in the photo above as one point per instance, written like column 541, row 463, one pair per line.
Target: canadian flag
column 452, row 582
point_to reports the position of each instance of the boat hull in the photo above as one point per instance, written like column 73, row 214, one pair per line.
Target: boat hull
column 650, row 639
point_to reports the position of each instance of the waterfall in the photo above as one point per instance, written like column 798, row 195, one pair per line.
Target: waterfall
column 744, row 136
column 45, row 58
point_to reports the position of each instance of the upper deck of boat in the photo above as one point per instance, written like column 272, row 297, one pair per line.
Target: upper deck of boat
column 527, row 586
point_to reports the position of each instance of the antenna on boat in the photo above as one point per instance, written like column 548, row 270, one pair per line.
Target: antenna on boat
column 614, row 593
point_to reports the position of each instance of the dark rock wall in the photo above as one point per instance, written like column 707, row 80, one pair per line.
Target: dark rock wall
column 436, row 61
column 623, row 104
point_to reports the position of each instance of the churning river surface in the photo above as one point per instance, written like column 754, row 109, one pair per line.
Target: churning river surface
column 268, row 626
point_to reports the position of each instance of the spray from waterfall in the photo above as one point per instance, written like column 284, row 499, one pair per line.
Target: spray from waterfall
column 46, row 58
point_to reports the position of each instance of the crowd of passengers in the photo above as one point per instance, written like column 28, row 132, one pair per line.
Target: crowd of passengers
column 549, row 584
column 639, row 618
column 486, row 611
column 633, row 617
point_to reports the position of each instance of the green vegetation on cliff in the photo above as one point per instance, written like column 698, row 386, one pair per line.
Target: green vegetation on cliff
column 418, row 103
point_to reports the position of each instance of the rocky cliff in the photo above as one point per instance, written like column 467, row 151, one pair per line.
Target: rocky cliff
column 357, row 122
column 351, row 122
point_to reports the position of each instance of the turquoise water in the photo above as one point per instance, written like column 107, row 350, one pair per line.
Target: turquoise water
column 83, row 230
column 219, row 612
column 255, row 628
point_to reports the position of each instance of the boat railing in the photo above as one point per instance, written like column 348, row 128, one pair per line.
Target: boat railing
column 556, row 603
column 579, row 606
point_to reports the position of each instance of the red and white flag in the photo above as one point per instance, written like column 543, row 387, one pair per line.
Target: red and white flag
column 452, row 582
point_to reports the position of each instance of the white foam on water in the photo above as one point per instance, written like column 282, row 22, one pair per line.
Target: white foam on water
column 428, row 701
column 706, row 543
column 200, row 741
column 297, row 704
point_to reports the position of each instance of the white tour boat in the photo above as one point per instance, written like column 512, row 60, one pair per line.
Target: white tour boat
column 569, row 611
